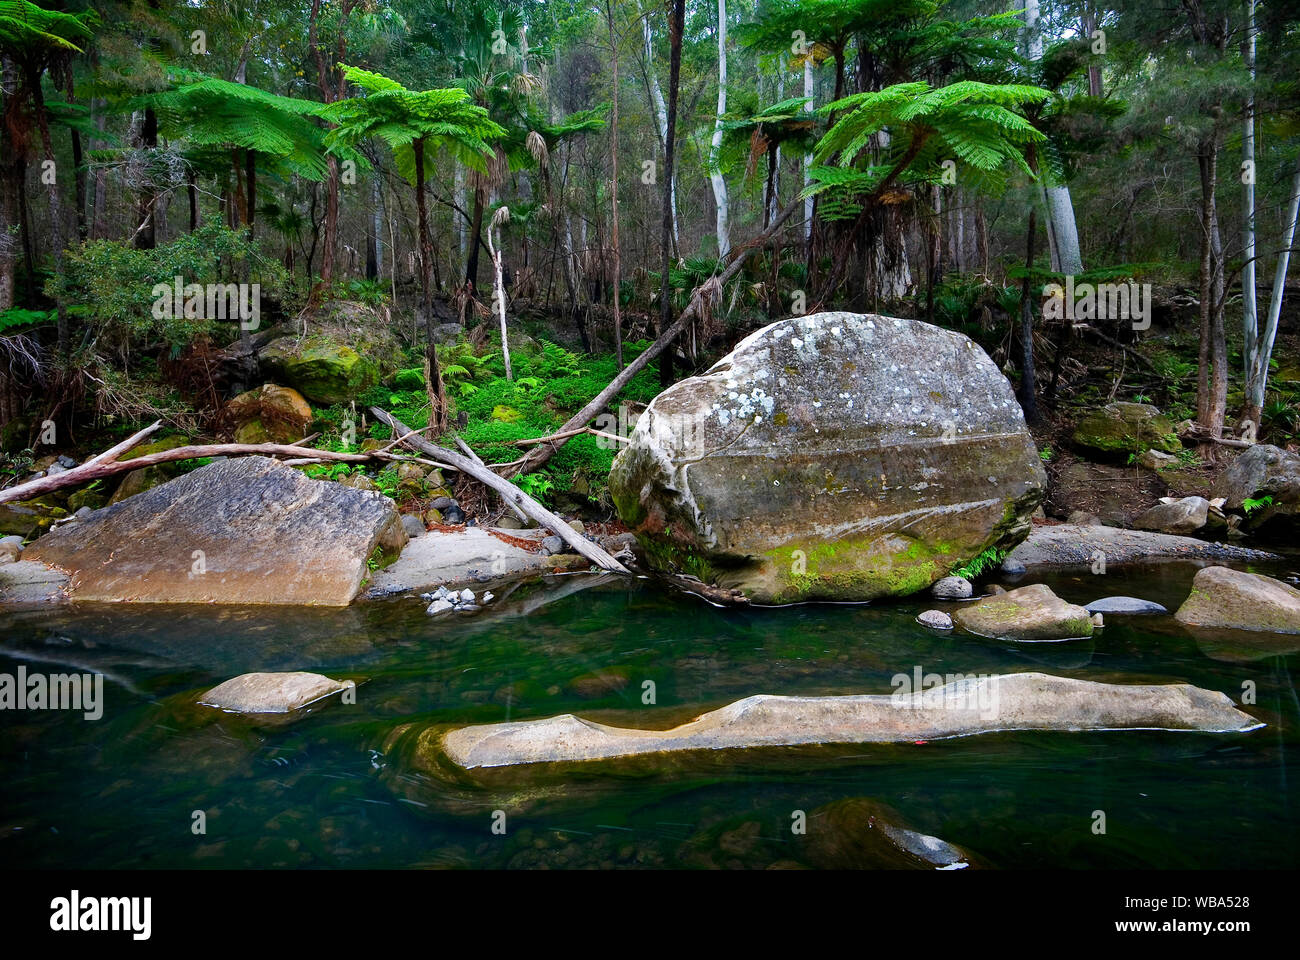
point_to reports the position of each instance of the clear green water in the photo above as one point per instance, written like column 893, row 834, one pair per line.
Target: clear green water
column 341, row 787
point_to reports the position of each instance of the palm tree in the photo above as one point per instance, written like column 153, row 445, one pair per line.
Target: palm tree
column 411, row 122
column 980, row 124
column 209, row 112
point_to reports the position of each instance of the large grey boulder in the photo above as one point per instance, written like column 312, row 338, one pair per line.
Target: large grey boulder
column 1264, row 471
column 834, row 456
column 1177, row 517
column 1222, row 597
column 271, row 692
column 1027, row 613
column 962, row 707
column 244, row 530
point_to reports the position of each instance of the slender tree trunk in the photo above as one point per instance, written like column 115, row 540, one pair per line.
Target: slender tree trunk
column 716, row 179
column 79, row 171
column 613, row 190
column 661, row 111
column 476, row 238
column 146, row 239
column 1257, row 379
column 250, row 175
column 433, row 381
column 1063, row 233
column 56, row 208
column 1212, row 375
column 675, row 29
column 1250, row 315
column 1028, row 392
column 808, row 204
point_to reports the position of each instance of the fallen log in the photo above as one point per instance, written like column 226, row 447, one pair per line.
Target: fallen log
column 98, row 469
column 469, row 452
column 108, row 464
column 508, row 491
column 539, row 455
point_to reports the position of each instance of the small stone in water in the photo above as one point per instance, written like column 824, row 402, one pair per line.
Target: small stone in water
column 467, row 595
column 935, row 619
column 488, row 596
column 439, row 606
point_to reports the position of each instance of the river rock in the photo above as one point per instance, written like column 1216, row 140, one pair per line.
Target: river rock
column 858, row 833
column 271, row 692
column 1031, row 612
column 1222, row 597
column 413, row 526
column 1069, row 544
column 1177, row 516
column 952, row 588
column 1119, row 429
column 964, row 707
column 1264, row 471
column 1130, row 605
column 935, row 620
column 1155, row 460
column 321, row 369
column 835, row 456
column 245, row 530
column 269, row 414
column 11, row 548
column 29, row 518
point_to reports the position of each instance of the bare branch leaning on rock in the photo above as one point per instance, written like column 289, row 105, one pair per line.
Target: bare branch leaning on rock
column 700, row 296
column 108, row 464
column 508, row 491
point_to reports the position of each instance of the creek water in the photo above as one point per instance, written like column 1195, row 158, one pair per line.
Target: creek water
column 348, row 785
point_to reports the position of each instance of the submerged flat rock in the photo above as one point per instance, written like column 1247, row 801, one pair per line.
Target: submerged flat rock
column 1074, row 544
column 245, row 530
column 1021, row 701
column 271, row 692
column 469, row 556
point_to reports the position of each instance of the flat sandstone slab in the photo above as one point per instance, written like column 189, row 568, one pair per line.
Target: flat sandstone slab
column 1020, row 701
column 467, row 556
column 1071, row 544
column 245, row 530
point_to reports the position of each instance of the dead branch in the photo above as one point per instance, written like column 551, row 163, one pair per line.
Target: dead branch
column 543, row 452
column 508, row 491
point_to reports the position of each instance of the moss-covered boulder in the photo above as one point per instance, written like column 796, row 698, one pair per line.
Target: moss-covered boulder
column 322, row 369
column 269, row 414
column 1033, row 612
column 1226, row 598
column 1120, row 429
column 835, row 456
column 137, row 482
column 29, row 518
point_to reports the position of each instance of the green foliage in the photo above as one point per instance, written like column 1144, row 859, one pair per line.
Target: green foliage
column 15, row 318
column 991, row 557
column 1250, row 505
column 979, row 124
column 400, row 117
column 116, row 282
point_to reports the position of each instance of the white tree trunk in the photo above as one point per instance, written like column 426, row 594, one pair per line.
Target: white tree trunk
column 1062, row 231
column 719, row 182
column 808, row 157
column 1263, row 348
